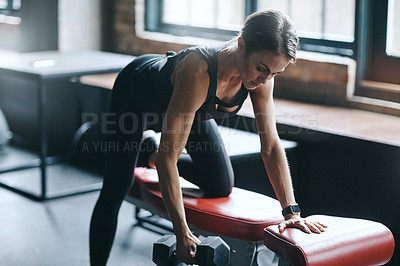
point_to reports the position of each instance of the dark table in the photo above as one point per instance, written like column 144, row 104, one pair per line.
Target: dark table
column 41, row 69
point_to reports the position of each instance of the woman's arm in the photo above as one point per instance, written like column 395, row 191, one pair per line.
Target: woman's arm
column 274, row 156
column 190, row 80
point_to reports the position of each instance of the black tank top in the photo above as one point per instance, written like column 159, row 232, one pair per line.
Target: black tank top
column 155, row 79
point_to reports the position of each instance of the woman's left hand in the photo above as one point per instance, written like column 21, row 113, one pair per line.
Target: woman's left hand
column 294, row 220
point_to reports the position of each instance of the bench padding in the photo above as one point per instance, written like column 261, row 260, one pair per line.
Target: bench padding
column 250, row 216
column 243, row 215
column 346, row 241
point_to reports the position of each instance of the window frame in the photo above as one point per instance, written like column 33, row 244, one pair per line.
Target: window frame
column 359, row 49
column 366, row 86
column 153, row 22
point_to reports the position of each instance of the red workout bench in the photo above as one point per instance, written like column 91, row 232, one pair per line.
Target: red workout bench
column 248, row 220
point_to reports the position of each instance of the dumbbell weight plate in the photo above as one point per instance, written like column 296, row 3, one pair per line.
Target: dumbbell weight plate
column 213, row 251
column 163, row 250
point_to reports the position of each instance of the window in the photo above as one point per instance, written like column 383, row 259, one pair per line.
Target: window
column 365, row 30
column 214, row 19
column 380, row 51
column 393, row 32
column 9, row 11
column 10, row 5
column 323, row 25
column 222, row 14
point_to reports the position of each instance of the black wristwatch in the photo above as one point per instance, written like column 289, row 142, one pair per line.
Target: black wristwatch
column 291, row 209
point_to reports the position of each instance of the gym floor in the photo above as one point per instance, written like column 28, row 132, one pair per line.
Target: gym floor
column 56, row 232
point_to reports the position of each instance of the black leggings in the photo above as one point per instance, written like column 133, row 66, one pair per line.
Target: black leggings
column 207, row 165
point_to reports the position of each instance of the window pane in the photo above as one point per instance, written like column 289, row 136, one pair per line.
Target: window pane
column 281, row 5
column 3, row 4
column 339, row 20
column 393, row 32
column 307, row 16
column 230, row 14
column 201, row 13
column 16, row 4
column 223, row 14
column 176, row 12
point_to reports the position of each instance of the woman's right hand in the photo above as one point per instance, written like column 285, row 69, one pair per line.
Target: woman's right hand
column 186, row 247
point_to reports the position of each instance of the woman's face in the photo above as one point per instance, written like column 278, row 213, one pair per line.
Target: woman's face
column 257, row 67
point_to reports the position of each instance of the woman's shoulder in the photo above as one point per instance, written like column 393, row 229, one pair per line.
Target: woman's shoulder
column 190, row 81
column 207, row 52
column 190, row 71
column 193, row 62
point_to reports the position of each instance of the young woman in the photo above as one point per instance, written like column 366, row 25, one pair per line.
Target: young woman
column 190, row 88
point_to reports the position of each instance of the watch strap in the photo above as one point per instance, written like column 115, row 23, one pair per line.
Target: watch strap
column 291, row 209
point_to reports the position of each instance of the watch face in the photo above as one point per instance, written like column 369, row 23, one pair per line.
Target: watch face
column 295, row 208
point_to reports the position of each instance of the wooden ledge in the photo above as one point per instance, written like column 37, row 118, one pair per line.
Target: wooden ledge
column 340, row 121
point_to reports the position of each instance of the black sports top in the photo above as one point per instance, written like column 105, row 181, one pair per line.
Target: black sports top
column 155, row 78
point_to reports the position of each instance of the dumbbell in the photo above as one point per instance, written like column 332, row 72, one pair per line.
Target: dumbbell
column 212, row 251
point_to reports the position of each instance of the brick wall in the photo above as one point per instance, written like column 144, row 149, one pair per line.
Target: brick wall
column 126, row 39
column 321, row 80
